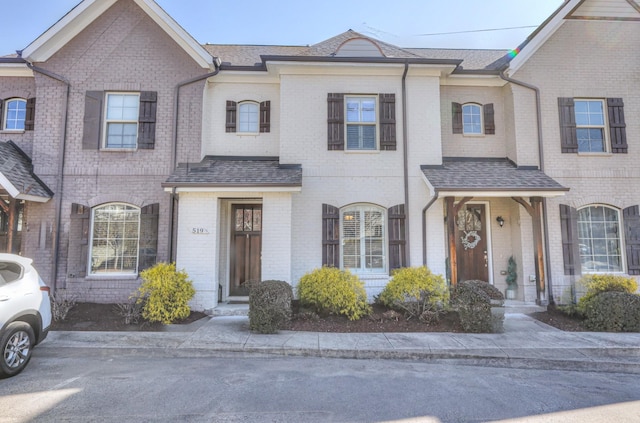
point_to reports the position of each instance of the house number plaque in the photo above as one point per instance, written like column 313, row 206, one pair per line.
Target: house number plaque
column 199, row 231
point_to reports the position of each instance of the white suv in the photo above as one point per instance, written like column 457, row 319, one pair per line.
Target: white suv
column 25, row 312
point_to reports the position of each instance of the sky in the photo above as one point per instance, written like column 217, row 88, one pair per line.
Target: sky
column 405, row 23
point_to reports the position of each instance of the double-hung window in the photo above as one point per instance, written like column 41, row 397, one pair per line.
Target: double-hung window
column 15, row 114
column 115, row 238
column 590, row 126
column 361, row 123
column 363, row 239
column 122, row 120
column 599, row 239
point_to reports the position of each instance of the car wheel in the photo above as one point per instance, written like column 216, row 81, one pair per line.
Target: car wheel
column 15, row 345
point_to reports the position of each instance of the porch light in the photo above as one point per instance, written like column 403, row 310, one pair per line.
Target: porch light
column 500, row 221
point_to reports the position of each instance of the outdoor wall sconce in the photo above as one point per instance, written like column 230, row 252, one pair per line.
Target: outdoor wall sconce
column 500, row 221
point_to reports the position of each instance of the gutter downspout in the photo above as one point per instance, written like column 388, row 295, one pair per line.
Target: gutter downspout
column 405, row 163
column 424, row 227
column 174, row 151
column 61, row 163
column 541, row 159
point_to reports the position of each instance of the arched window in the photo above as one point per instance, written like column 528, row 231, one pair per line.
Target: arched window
column 115, row 235
column 363, row 238
column 599, row 237
column 14, row 114
column 248, row 117
column 472, row 119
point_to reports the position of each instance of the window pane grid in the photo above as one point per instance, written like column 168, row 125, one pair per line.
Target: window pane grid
column 590, row 126
column 115, row 239
column 361, row 123
column 599, row 239
column 248, row 117
column 15, row 114
column 471, row 119
column 363, row 240
column 122, row 120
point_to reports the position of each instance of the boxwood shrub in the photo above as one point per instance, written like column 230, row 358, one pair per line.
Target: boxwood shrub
column 329, row 290
column 613, row 311
column 472, row 301
column 269, row 306
column 596, row 284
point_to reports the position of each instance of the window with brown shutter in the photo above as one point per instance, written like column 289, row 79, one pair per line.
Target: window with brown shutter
column 335, row 121
column 489, row 121
column 397, row 238
column 631, row 217
column 617, row 126
column 569, row 231
column 30, row 116
column 78, row 249
column 567, row 116
column 147, row 120
column 265, row 116
column 92, row 126
column 330, row 236
column 456, row 118
column 387, row 122
column 231, row 116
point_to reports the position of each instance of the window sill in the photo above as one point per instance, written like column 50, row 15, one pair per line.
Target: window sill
column 12, row 131
column 603, row 154
column 119, row 150
column 247, row 134
column 362, row 151
column 474, row 135
column 119, row 276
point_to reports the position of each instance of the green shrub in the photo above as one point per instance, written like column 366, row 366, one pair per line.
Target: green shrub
column 165, row 293
column 596, row 284
column 333, row 291
column 416, row 292
column 493, row 292
column 613, row 311
column 472, row 301
column 269, row 306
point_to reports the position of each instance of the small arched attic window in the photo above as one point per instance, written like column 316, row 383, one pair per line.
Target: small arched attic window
column 359, row 47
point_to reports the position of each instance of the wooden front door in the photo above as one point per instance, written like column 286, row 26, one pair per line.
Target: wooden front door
column 471, row 243
column 246, row 247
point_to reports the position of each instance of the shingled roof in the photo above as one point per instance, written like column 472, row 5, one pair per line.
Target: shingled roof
column 17, row 171
column 251, row 55
column 489, row 174
column 223, row 171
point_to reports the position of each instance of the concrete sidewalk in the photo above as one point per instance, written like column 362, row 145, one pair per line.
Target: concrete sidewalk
column 526, row 343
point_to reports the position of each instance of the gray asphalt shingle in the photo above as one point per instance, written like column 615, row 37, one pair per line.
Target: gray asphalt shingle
column 16, row 166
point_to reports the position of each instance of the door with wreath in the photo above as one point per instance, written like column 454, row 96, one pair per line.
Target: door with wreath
column 471, row 243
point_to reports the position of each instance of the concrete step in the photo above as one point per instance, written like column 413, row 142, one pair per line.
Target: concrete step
column 513, row 306
column 230, row 309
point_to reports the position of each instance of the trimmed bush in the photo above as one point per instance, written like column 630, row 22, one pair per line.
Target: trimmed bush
column 417, row 292
column 595, row 284
column 165, row 293
column 613, row 311
column 473, row 304
column 329, row 290
column 269, row 306
column 493, row 292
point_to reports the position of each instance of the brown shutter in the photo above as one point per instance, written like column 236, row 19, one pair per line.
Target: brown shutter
column 147, row 120
column 1, row 115
column 30, row 115
column 631, row 216
column 265, row 116
column 397, row 238
column 617, row 126
column 387, row 122
column 456, row 118
column 335, row 121
column 489, row 121
column 148, row 246
column 78, row 241
column 231, row 116
column 569, row 228
column 92, row 120
column 330, row 236
column 568, row 136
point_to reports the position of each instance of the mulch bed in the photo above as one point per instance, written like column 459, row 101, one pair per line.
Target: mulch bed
column 105, row 317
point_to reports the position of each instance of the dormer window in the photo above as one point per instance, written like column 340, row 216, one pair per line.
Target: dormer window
column 248, row 113
column 14, row 115
column 248, row 117
column 471, row 119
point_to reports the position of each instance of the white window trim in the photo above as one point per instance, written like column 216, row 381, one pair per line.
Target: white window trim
column 604, row 127
column 473, row 134
column 360, row 207
column 90, row 274
column 621, row 240
column 5, row 112
column 107, row 121
column 376, row 123
column 238, row 124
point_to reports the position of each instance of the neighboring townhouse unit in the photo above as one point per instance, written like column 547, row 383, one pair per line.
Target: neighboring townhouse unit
column 247, row 163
